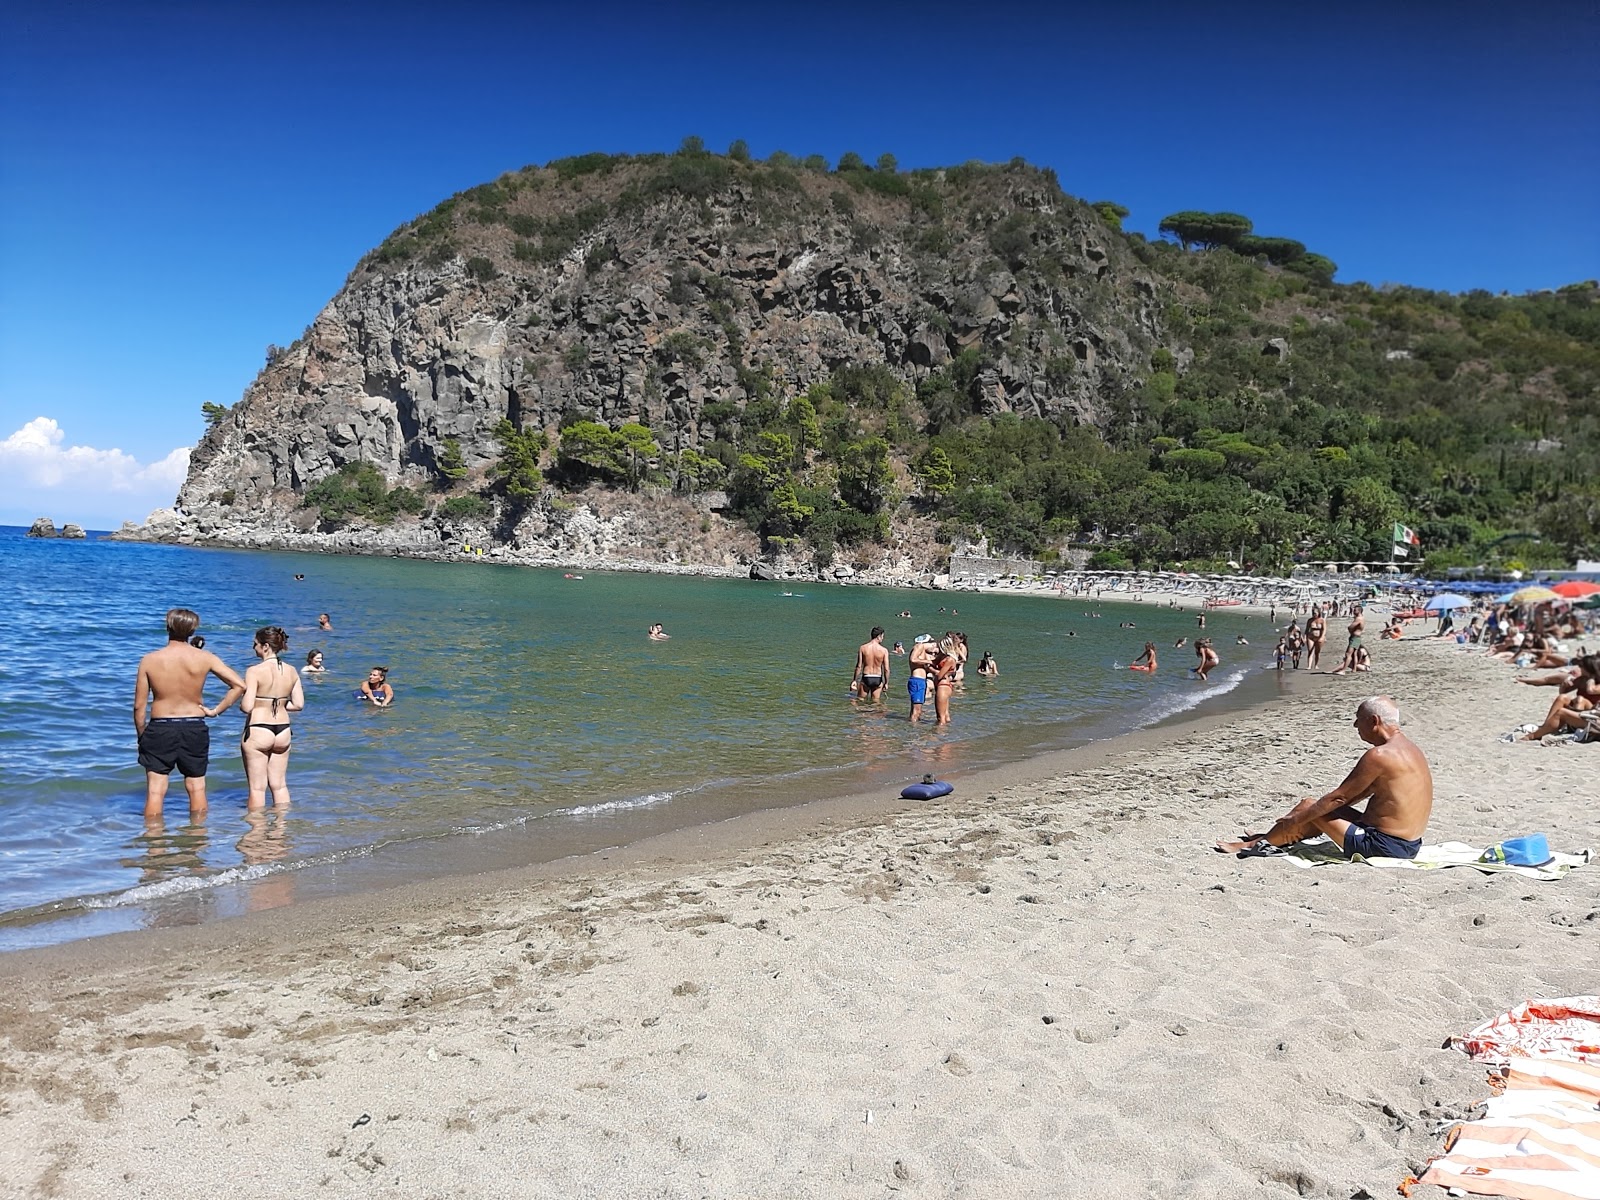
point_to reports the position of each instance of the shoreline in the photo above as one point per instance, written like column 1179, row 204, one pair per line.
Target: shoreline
column 484, row 855
column 1289, row 591
column 996, row 993
column 999, row 992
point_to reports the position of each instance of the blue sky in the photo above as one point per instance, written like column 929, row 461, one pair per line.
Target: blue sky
column 181, row 184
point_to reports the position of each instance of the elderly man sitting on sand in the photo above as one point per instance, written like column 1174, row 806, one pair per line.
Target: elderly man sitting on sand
column 1392, row 777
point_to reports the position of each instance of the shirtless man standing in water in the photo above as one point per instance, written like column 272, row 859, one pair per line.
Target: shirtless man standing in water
column 871, row 675
column 1392, row 777
column 172, row 682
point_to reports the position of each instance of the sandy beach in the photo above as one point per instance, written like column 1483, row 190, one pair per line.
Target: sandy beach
column 1045, row 985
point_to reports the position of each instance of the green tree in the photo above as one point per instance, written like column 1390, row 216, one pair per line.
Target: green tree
column 888, row 163
column 697, row 472
column 739, row 150
column 213, row 413
column 692, row 146
column 1315, row 266
column 636, row 447
column 451, row 463
column 934, row 473
column 851, row 161
column 1276, row 250
column 517, row 470
column 801, row 416
column 589, row 449
column 1369, row 507
column 1111, row 212
column 1194, row 228
column 866, row 479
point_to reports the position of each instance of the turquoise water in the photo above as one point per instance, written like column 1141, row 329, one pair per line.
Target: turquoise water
column 534, row 718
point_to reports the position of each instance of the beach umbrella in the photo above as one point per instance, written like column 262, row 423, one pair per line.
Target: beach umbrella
column 1592, row 602
column 1531, row 595
column 1447, row 600
column 1575, row 589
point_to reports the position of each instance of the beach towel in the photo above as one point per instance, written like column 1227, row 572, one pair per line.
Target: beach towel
column 1539, row 1136
column 1321, row 851
column 1567, row 1028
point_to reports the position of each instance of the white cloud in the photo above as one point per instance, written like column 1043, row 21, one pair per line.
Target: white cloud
column 35, row 455
column 37, row 467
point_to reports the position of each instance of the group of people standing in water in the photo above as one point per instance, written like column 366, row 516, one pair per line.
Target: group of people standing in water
column 170, row 713
column 936, row 666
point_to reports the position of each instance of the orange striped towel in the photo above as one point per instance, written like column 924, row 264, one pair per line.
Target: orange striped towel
column 1539, row 1139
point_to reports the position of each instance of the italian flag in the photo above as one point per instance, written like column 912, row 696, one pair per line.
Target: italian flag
column 1404, row 535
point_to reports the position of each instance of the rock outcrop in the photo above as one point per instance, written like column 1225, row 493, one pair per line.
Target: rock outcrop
column 43, row 527
column 70, row 530
column 673, row 292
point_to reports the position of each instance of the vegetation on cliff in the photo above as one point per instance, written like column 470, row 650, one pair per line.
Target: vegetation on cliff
column 1047, row 379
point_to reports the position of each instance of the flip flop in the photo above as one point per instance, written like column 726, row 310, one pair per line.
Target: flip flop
column 1259, row 849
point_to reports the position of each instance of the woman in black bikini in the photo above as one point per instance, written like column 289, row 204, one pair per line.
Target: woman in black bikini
column 272, row 691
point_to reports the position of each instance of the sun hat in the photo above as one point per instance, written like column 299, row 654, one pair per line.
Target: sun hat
column 921, row 638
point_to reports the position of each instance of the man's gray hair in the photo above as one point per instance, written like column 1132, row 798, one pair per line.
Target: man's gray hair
column 1381, row 709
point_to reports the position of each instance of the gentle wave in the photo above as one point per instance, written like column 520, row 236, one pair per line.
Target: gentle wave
column 1171, row 706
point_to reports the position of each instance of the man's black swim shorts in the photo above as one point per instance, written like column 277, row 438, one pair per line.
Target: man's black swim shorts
column 181, row 742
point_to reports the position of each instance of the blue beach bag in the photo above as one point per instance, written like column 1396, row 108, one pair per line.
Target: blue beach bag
column 1530, row 851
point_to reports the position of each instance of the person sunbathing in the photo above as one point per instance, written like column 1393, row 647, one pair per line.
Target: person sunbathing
column 1392, row 778
column 1578, row 697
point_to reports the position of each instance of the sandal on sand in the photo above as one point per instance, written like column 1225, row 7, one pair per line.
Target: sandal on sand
column 1259, row 849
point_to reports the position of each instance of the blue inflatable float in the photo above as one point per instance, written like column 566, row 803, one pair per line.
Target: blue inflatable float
column 929, row 789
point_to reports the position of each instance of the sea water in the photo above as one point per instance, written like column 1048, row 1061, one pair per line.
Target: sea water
column 533, row 719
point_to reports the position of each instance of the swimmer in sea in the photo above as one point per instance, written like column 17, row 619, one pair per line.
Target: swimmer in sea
column 899, row 648
column 987, row 665
column 375, row 688
column 656, row 635
column 324, row 623
column 871, row 675
column 1145, row 661
column 1180, row 643
column 314, row 664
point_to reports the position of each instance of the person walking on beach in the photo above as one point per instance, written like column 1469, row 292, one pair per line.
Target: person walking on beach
column 172, row 682
column 272, row 690
column 1392, row 778
column 871, row 676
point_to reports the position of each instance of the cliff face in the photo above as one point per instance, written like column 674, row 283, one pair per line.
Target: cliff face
column 672, row 293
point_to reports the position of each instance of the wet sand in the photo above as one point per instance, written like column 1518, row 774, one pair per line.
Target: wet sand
column 1044, row 985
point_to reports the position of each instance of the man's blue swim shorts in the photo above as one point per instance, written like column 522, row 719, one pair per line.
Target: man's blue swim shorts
column 1373, row 843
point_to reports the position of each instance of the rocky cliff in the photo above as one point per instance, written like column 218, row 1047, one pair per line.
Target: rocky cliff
column 675, row 292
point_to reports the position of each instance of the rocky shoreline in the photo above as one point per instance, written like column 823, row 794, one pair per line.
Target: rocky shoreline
column 580, row 538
